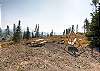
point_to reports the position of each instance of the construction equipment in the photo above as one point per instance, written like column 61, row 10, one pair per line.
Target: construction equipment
column 75, row 43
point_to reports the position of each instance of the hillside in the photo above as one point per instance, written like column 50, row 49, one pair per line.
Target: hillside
column 50, row 57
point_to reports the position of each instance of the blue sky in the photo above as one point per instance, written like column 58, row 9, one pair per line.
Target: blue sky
column 50, row 14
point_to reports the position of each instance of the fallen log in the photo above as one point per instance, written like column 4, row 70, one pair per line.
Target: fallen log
column 36, row 43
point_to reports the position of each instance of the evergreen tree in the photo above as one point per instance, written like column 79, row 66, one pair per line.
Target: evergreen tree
column 19, row 29
column 24, row 35
column 72, row 30
column 64, row 32
column 27, row 33
column 95, row 2
column 51, row 34
column 14, row 29
column 47, row 35
column 69, row 30
column 33, row 35
column 77, row 28
column 17, row 35
column 37, row 30
column 0, row 32
column 42, row 34
column 84, row 28
column 95, row 28
column 86, row 25
column 7, row 31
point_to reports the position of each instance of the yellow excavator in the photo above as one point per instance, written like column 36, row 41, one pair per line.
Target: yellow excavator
column 75, row 43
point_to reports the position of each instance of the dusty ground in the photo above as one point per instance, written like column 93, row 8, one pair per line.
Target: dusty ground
column 50, row 57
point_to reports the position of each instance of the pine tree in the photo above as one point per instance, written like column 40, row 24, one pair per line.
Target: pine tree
column 64, row 32
column 24, row 35
column 84, row 28
column 42, row 34
column 19, row 29
column 95, row 27
column 72, row 30
column 77, row 28
column 95, row 2
column 14, row 29
column 95, row 30
column 86, row 25
column 7, row 31
column 27, row 33
column 69, row 30
column 0, row 32
column 47, row 35
column 33, row 35
column 17, row 35
column 51, row 34
column 37, row 30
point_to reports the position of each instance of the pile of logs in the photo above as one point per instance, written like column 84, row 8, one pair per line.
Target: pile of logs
column 36, row 43
column 6, row 44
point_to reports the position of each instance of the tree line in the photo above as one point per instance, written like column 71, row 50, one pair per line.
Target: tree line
column 16, row 35
column 70, row 30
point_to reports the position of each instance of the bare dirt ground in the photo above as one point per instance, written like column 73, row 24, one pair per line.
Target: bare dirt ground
column 50, row 57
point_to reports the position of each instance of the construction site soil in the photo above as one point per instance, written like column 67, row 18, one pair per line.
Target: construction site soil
column 50, row 57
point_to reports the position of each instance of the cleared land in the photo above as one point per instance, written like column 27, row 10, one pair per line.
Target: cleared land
column 50, row 57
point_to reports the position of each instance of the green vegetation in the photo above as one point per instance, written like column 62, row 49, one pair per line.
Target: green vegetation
column 26, row 34
column 93, row 28
column 17, row 35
